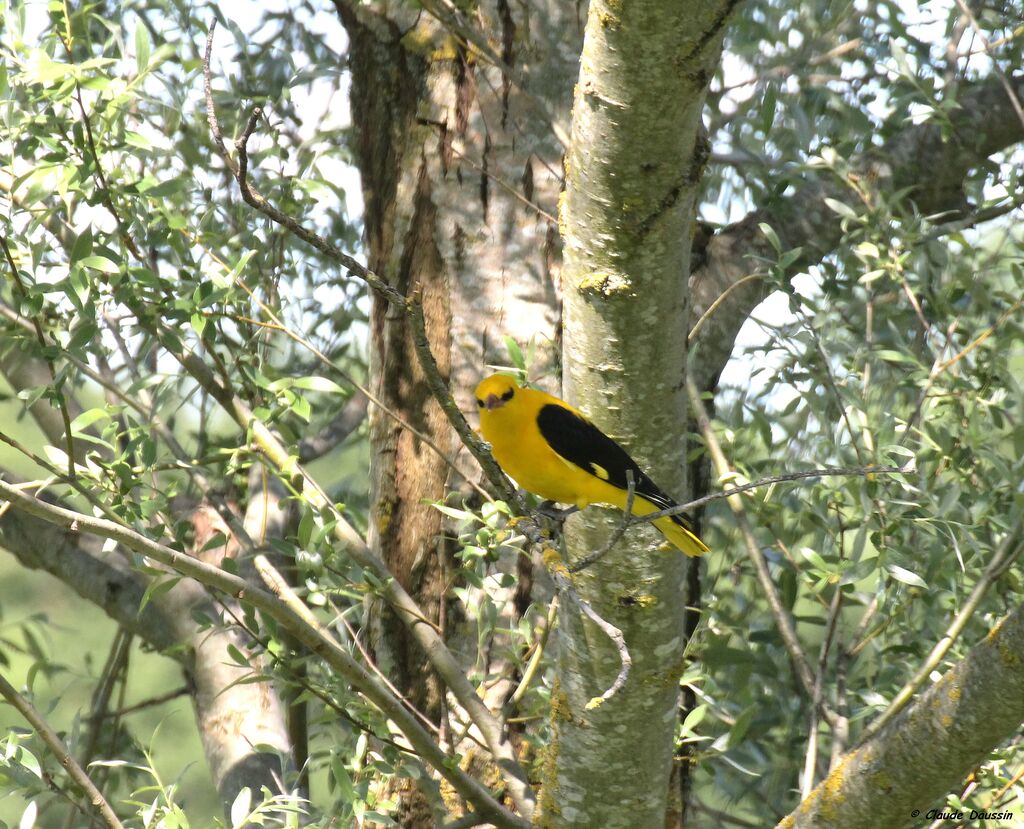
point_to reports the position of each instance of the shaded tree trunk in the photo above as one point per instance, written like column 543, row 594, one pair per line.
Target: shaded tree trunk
column 451, row 176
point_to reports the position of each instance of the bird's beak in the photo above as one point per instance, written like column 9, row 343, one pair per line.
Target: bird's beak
column 493, row 402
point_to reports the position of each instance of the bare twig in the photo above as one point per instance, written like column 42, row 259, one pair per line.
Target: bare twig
column 142, row 705
column 60, row 751
column 824, row 472
column 563, row 581
column 254, row 199
column 587, row 560
column 1005, row 81
column 477, row 447
column 714, row 306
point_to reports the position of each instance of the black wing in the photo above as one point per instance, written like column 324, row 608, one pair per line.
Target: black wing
column 578, row 440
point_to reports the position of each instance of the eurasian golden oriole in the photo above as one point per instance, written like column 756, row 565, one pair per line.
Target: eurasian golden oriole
column 555, row 452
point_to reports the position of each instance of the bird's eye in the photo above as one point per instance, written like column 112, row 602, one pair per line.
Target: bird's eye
column 479, row 403
column 508, row 395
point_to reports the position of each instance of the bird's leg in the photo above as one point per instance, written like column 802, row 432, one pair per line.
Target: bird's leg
column 556, row 516
column 549, row 510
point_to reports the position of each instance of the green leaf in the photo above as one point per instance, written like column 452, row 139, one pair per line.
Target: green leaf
column 741, row 726
column 458, row 514
column 892, row 356
column 306, row 525
column 170, row 187
column 841, row 208
column 157, row 588
column 694, row 718
column 771, row 236
column 238, row 656
column 515, row 353
column 218, row 539
column 142, row 47
column 87, row 418
column 241, row 807
column 42, row 69
column 906, row 576
column 83, row 245
column 100, row 263
column 315, row 383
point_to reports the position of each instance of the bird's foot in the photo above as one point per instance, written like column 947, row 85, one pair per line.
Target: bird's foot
column 549, row 510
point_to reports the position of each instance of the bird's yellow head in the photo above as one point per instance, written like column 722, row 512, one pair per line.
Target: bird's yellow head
column 495, row 391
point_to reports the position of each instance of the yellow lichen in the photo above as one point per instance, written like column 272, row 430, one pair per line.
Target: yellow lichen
column 547, row 800
column 1007, row 655
column 605, row 283
column 830, row 792
column 560, row 709
column 880, row 781
column 553, row 561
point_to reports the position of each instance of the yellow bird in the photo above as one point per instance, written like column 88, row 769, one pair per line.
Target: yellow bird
column 554, row 451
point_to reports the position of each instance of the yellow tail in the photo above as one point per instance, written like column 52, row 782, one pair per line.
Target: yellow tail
column 681, row 537
column 678, row 535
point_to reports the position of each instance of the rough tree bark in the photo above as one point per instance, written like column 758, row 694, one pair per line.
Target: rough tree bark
column 449, row 168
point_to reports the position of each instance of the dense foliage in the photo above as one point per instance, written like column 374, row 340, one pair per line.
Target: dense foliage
column 128, row 252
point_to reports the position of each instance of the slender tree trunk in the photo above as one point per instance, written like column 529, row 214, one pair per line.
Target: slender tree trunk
column 632, row 184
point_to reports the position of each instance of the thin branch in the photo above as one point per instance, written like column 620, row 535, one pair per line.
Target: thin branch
column 504, row 185
column 538, row 653
column 254, row 199
column 1010, row 92
column 477, row 447
column 824, row 472
column 782, row 619
column 142, row 705
column 626, row 523
column 714, row 306
column 440, row 656
column 60, row 751
column 465, row 822
column 563, row 581
column 62, row 404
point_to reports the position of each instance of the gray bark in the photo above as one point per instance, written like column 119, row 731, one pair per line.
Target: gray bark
column 633, row 172
column 232, row 720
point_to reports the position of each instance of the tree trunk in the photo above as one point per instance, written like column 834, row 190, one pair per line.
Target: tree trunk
column 632, row 183
column 449, row 173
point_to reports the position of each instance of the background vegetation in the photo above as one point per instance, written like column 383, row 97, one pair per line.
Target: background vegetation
column 209, row 334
